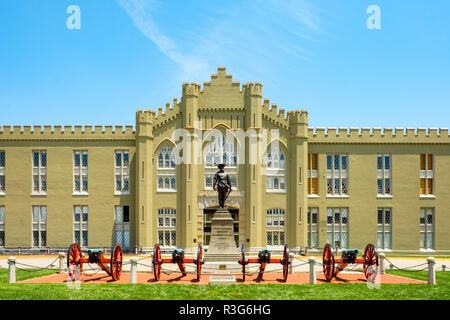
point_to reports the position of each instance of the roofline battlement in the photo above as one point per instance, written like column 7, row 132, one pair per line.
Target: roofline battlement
column 378, row 135
column 66, row 132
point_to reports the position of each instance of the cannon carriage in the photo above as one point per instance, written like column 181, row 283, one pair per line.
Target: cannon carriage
column 332, row 266
column 264, row 257
column 76, row 259
column 177, row 258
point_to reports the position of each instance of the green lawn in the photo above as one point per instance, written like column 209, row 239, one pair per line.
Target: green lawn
column 245, row 292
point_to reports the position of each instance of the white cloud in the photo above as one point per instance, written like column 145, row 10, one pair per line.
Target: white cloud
column 252, row 34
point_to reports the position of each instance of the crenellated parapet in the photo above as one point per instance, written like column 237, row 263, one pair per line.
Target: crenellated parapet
column 169, row 114
column 191, row 89
column 274, row 115
column 67, row 133
column 253, row 89
column 378, row 135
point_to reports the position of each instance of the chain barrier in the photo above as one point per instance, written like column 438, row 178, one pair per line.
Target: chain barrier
column 409, row 268
column 35, row 267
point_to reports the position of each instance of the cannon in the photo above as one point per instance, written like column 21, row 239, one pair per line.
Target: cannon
column 177, row 258
column 349, row 256
column 76, row 259
column 264, row 257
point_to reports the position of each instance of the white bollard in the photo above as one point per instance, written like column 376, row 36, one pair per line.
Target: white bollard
column 12, row 270
column 431, row 271
column 133, row 271
column 382, row 256
column 61, row 262
column 291, row 262
column 312, row 270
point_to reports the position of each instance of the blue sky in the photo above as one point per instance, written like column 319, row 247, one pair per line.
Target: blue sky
column 314, row 55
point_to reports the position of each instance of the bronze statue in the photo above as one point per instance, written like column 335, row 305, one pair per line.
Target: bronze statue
column 222, row 184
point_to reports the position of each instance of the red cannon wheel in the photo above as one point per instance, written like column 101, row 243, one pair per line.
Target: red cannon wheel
column 199, row 261
column 285, row 262
column 74, row 265
column 370, row 262
column 156, row 261
column 243, row 261
column 116, row 262
column 328, row 262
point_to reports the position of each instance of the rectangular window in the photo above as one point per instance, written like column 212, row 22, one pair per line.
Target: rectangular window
column 122, row 226
column 80, row 172
column 2, row 172
column 277, row 183
column 337, row 227
column 2, row 227
column 384, row 175
column 39, row 226
column 39, row 172
column 209, row 180
column 337, row 175
column 313, row 175
column 427, row 228
column 426, row 174
column 167, row 223
column 313, row 228
column 122, row 171
column 275, row 227
column 384, row 225
column 80, row 225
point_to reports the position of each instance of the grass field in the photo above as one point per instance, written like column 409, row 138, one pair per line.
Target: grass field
column 20, row 291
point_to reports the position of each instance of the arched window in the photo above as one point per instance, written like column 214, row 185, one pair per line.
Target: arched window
column 166, row 173
column 275, row 227
column 217, row 152
column 167, row 226
column 276, row 171
column 166, row 158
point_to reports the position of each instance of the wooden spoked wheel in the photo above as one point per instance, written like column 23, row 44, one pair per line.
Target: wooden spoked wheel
column 116, row 262
column 74, row 265
column 199, row 261
column 157, row 261
column 370, row 262
column 328, row 262
column 243, row 261
column 285, row 262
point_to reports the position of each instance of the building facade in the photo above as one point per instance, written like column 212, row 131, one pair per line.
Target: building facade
column 102, row 185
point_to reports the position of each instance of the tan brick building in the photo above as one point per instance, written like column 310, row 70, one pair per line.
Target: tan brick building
column 101, row 185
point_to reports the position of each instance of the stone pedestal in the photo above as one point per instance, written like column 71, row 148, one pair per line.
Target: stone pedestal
column 222, row 247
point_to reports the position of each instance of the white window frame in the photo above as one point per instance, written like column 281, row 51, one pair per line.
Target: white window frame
column 39, row 225
column 428, row 174
column 2, row 172
column 336, row 231
column 80, row 173
column 384, row 175
column 338, row 175
column 122, row 172
column 384, row 229
column 2, row 226
column 39, row 173
column 275, row 226
column 221, row 152
column 427, row 234
column 167, row 228
column 166, row 180
column 276, row 171
column 121, row 227
column 81, row 226
column 313, row 227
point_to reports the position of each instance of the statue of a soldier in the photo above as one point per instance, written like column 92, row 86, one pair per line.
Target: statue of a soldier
column 222, row 184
